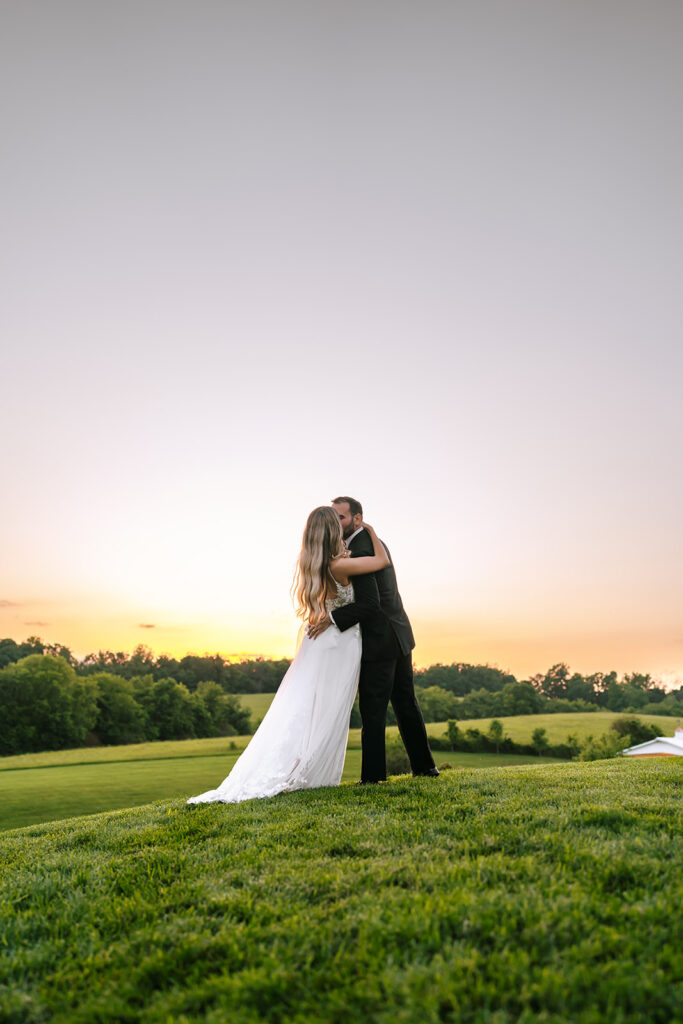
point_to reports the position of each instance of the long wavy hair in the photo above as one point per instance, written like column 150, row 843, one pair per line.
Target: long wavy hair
column 322, row 542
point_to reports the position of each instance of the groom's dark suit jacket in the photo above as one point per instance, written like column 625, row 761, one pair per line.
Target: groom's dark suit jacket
column 387, row 633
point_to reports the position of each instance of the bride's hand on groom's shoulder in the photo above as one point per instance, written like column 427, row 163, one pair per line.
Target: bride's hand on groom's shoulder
column 367, row 527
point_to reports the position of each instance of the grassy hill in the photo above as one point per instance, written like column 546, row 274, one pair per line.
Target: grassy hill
column 518, row 727
column 62, row 783
column 523, row 894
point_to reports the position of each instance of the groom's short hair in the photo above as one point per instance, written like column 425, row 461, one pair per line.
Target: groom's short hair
column 355, row 507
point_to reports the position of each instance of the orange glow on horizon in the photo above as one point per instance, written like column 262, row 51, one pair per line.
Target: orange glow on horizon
column 524, row 651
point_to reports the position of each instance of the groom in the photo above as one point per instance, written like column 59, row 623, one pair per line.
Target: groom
column 386, row 669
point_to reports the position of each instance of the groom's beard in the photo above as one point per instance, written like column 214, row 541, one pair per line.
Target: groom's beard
column 349, row 530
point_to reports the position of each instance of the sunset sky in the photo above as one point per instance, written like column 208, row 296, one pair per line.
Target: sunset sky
column 256, row 254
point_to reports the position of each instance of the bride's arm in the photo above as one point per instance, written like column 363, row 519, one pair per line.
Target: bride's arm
column 366, row 607
column 346, row 567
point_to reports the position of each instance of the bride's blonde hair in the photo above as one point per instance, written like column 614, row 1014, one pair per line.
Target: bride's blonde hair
column 322, row 542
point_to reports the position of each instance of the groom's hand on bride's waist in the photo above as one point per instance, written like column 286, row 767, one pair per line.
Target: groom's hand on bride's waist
column 319, row 627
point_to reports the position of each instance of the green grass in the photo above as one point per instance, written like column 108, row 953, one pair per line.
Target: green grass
column 518, row 727
column 524, row 894
column 258, row 704
column 61, row 783
column 46, row 787
column 127, row 752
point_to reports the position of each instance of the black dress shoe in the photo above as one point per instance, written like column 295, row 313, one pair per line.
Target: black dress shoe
column 370, row 782
column 431, row 774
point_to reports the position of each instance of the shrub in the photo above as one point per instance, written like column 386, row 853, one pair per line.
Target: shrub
column 608, row 745
column 495, row 733
column 539, row 740
column 397, row 760
column 440, row 742
column 634, row 729
column 453, row 734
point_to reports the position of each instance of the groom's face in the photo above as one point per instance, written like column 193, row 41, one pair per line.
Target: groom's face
column 349, row 523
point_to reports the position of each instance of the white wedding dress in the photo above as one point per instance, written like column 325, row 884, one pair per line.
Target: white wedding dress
column 301, row 742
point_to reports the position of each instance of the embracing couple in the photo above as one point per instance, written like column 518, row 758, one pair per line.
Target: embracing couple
column 357, row 637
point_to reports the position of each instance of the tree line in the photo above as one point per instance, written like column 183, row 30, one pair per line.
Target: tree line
column 623, row 732
column 252, row 675
column 45, row 705
column 559, row 689
column 480, row 691
column 51, row 700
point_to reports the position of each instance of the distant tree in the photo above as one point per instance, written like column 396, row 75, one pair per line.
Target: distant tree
column 193, row 669
column 475, row 739
column 573, row 743
column 479, row 704
column 539, row 740
column 604, row 683
column 31, row 645
column 43, row 705
column 202, row 724
column 634, row 730
column 256, row 675
column 615, row 697
column 447, row 677
column 169, row 709
column 166, row 666
column 581, row 688
column 672, row 704
column 115, row 662
column 560, row 706
column 554, row 682
column 608, row 745
column 461, row 679
column 141, row 661
column 495, row 733
column 453, row 734
column 59, row 651
column 520, row 699
column 9, row 652
column 226, row 714
column 436, row 704
column 120, row 719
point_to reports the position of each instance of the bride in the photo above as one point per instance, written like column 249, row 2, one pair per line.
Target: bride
column 301, row 742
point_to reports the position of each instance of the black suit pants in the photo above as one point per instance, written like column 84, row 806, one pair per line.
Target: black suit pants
column 381, row 682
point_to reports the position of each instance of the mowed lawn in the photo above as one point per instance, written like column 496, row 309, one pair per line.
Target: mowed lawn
column 558, row 727
column 62, row 790
column 60, row 784
column 491, row 896
column 517, row 727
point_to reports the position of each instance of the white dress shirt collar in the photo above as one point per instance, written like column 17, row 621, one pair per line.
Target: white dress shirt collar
column 348, row 540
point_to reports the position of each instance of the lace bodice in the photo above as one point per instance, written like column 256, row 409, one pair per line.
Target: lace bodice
column 344, row 596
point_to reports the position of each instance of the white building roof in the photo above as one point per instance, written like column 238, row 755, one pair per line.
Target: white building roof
column 659, row 745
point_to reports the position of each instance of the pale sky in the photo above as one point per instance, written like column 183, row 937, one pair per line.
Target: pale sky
column 426, row 253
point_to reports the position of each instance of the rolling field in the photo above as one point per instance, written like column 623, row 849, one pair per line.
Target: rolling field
column 50, row 789
column 491, row 896
column 63, row 783
column 518, row 727
column 258, row 703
